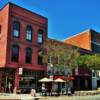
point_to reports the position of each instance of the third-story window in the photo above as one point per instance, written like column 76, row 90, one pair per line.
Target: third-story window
column 28, row 58
column 15, row 53
column 40, row 37
column 29, row 33
column 16, row 29
column 40, row 57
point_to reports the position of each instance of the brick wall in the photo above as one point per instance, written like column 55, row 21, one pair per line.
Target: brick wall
column 81, row 40
column 3, row 37
column 8, row 15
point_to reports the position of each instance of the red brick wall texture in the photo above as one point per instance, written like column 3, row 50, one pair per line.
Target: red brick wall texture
column 8, row 15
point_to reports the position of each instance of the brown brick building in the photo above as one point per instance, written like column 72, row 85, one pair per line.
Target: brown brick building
column 81, row 78
column 88, row 39
column 22, row 33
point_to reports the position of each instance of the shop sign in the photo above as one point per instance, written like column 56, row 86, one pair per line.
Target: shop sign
column 20, row 71
column 27, row 78
column 71, row 78
column 51, row 76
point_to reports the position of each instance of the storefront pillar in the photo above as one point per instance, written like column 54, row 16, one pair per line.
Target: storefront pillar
column 16, row 79
column 78, row 83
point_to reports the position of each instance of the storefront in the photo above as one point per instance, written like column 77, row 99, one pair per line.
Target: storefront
column 82, row 82
column 7, row 76
column 83, row 79
column 29, row 79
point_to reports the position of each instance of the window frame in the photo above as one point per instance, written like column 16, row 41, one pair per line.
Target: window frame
column 29, row 32
column 27, row 55
column 40, row 57
column 16, row 28
column 14, row 55
column 40, row 32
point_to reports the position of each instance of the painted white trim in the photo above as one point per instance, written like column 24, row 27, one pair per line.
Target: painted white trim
column 77, row 34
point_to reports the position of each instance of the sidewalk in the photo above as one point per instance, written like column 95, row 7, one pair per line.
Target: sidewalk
column 81, row 95
column 88, row 97
column 4, row 96
column 84, row 93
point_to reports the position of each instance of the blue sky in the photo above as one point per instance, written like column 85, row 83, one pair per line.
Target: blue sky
column 65, row 17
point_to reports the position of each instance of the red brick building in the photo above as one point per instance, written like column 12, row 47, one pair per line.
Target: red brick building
column 21, row 34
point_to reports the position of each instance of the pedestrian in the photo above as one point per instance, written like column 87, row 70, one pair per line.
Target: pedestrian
column 33, row 92
column 72, row 90
column 2, row 89
column 15, row 90
column 9, row 86
column 58, row 90
column 69, row 91
column 43, row 89
column 54, row 89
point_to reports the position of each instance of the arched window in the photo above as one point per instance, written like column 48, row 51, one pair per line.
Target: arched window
column 15, row 53
column 16, row 29
column 40, row 36
column 40, row 57
column 29, row 33
column 28, row 58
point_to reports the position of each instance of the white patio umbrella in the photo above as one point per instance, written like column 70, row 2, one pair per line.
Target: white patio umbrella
column 59, row 80
column 45, row 79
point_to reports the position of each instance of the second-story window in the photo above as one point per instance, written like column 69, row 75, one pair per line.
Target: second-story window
column 28, row 58
column 40, row 36
column 15, row 53
column 16, row 29
column 29, row 33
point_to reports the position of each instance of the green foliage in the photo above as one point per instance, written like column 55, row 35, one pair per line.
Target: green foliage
column 90, row 61
column 62, row 54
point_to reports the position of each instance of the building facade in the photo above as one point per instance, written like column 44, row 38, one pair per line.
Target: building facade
column 90, row 41
column 22, row 33
column 79, row 77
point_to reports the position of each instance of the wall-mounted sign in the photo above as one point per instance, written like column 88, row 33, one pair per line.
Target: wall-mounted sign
column 27, row 78
column 20, row 71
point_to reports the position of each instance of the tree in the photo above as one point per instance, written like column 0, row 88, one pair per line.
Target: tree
column 90, row 61
column 60, row 54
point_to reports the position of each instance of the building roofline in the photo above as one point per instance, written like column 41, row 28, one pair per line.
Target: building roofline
column 23, row 9
column 70, row 45
column 77, row 34
column 61, row 42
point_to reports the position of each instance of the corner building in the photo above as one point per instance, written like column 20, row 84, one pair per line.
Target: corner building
column 90, row 41
column 22, row 33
